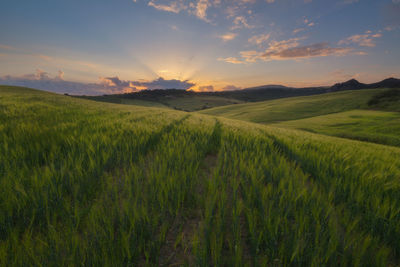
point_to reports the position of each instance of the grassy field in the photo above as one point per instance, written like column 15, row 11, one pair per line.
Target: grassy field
column 199, row 102
column 388, row 100
column 183, row 102
column 296, row 107
column 367, row 125
column 87, row 183
column 124, row 101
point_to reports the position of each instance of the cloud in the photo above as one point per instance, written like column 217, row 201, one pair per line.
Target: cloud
column 251, row 56
column 205, row 88
column 201, row 9
column 259, row 39
column 270, row 1
column 173, row 6
column 161, row 83
column 308, row 22
column 275, row 46
column 232, row 60
column 313, row 50
column 287, row 50
column 241, row 22
column 228, row 36
column 198, row 8
column 42, row 80
column 106, row 85
column 295, row 31
column 366, row 40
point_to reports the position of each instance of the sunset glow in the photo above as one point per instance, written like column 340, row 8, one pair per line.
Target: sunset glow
column 200, row 45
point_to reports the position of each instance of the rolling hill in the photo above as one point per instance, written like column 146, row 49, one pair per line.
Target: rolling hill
column 296, row 107
column 90, row 183
column 367, row 125
column 171, row 98
column 194, row 101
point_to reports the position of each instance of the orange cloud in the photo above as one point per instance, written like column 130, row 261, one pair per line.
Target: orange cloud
column 366, row 40
column 289, row 49
column 228, row 36
column 174, row 6
column 232, row 60
column 259, row 39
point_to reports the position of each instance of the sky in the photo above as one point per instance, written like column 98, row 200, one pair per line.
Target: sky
column 116, row 46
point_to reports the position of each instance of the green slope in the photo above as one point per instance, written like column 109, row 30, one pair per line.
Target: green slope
column 117, row 100
column 367, row 125
column 296, row 107
column 98, row 184
column 182, row 102
column 199, row 102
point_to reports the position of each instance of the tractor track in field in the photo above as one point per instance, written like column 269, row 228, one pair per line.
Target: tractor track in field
column 144, row 150
column 178, row 247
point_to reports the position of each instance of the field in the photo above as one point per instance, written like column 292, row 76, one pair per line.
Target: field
column 367, row 125
column 89, row 183
column 179, row 102
column 116, row 100
column 295, row 108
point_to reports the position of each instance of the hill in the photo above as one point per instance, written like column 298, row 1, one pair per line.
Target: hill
column 170, row 98
column 367, row 125
column 89, row 183
column 194, row 101
column 295, row 107
column 386, row 100
column 353, row 84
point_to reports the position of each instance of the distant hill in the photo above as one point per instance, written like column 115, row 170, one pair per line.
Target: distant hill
column 270, row 86
column 193, row 101
column 387, row 83
column 353, row 84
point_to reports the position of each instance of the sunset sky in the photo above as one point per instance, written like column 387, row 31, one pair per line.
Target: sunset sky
column 96, row 47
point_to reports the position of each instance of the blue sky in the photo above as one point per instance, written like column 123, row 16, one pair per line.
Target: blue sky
column 101, row 46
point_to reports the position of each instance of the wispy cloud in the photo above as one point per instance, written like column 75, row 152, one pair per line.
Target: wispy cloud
column 307, row 23
column 287, row 50
column 259, row 39
column 228, row 36
column 201, row 9
column 173, row 6
column 198, row 8
column 307, row 51
column 295, row 31
column 367, row 39
column 232, row 60
column 106, row 85
column 205, row 88
column 241, row 22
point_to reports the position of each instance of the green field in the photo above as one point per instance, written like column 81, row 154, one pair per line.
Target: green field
column 117, row 100
column 184, row 102
column 85, row 183
column 367, row 125
column 295, row 108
